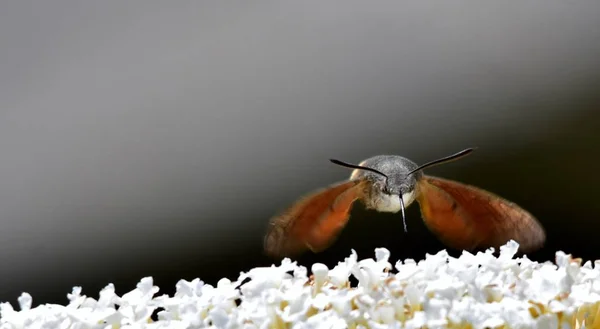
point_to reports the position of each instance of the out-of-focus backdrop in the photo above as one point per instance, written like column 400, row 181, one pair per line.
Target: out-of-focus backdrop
column 158, row 138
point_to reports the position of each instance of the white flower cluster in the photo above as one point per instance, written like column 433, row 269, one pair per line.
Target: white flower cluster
column 471, row 291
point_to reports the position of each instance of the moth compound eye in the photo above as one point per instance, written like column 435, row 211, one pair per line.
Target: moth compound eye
column 387, row 190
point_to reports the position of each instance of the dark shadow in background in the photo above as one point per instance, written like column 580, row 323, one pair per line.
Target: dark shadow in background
column 159, row 139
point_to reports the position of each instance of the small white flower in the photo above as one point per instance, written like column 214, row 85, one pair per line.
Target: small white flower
column 492, row 322
column 320, row 273
column 436, row 311
column 370, row 272
column 406, row 269
column 342, row 301
column 508, row 251
column 418, row 320
column 320, row 302
column 262, row 278
column 340, row 274
column 25, row 301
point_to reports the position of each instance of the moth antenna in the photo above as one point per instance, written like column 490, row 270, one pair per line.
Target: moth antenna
column 403, row 216
column 353, row 166
column 449, row 158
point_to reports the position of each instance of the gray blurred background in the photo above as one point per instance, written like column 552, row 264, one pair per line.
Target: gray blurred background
column 158, row 138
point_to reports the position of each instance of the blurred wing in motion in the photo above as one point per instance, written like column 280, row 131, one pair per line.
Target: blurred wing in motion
column 314, row 221
column 466, row 217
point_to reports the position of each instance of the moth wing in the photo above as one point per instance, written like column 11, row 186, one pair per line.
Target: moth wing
column 314, row 221
column 466, row 217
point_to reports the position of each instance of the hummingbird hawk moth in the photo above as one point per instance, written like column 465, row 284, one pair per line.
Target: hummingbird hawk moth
column 460, row 215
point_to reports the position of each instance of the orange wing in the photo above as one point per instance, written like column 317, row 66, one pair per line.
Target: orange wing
column 465, row 217
column 314, row 221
